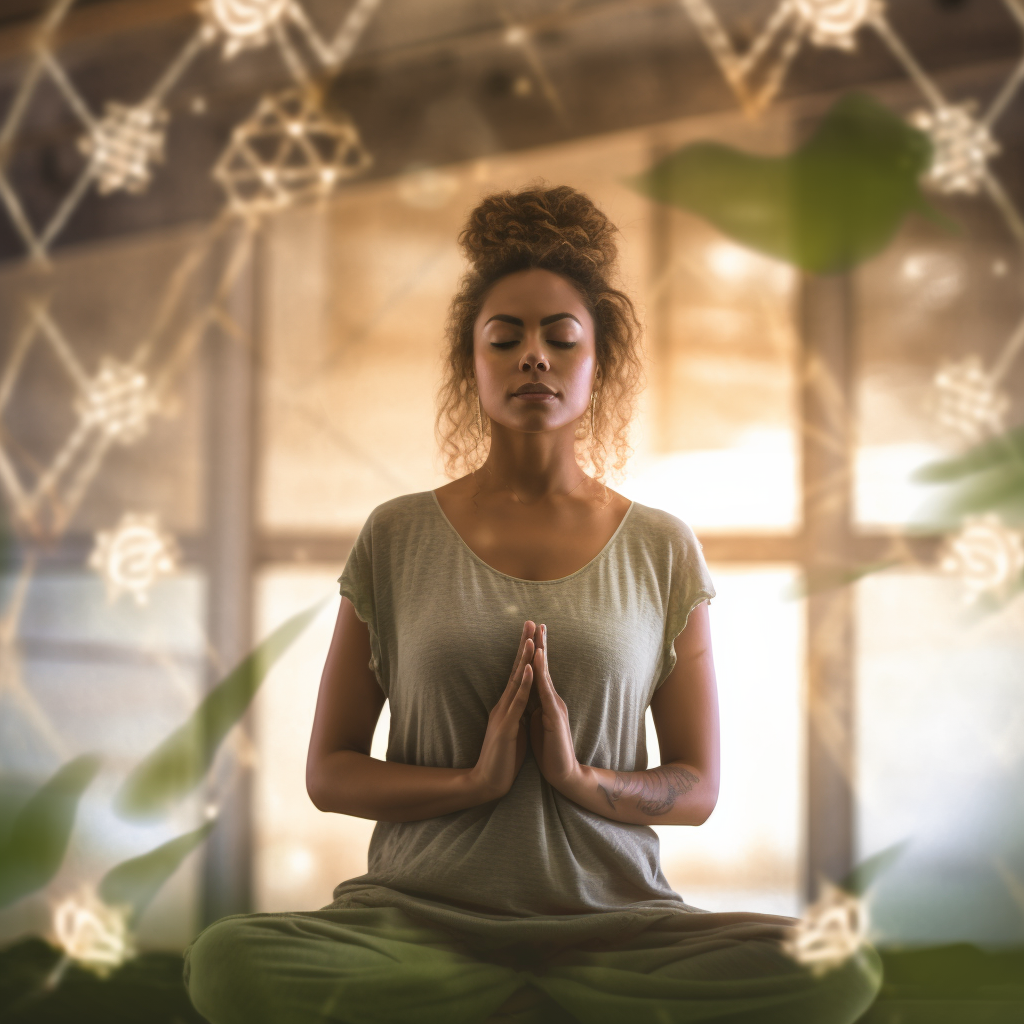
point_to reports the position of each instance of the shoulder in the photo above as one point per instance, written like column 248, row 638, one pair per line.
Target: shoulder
column 661, row 529
column 399, row 513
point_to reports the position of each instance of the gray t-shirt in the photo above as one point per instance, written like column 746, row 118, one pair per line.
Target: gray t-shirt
column 444, row 629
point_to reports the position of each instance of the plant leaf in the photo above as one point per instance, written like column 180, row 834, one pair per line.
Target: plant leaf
column 862, row 877
column 988, row 478
column 833, row 203
column 178, row 765
column 40, row 831
column 138, row 880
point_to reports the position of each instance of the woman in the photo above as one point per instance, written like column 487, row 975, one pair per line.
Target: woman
column 520, row 621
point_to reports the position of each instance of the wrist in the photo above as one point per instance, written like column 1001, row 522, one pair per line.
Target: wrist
column 574, row 782
column 480, row 789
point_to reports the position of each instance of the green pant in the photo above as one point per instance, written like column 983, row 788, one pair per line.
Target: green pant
column 381, row 966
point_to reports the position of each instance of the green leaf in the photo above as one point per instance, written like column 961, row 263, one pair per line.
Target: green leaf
column 862, row 877
column 138, row 880
column 176, row 767
column 39, row 833
column 833, row 203
column 988, row 478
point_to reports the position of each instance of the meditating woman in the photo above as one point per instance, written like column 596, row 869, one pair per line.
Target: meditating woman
column 520, row 620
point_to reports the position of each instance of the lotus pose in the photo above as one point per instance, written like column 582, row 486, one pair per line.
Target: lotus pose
column 520, row 621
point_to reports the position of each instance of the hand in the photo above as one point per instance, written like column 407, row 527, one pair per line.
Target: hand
column 550, row 734
column 504, row 746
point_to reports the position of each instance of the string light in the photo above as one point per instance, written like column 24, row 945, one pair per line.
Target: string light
column 967, row 400
column 831, row 930
column 288, row 150
column 118, row 402
column 835, row 23
column 987, row 556
column 91, row 933
column 245, row 24
column 961, row 147
column 131, row 557
column 122, row 146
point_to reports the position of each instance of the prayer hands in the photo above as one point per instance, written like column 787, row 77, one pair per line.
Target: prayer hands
column 550, row 734
column 504, row 746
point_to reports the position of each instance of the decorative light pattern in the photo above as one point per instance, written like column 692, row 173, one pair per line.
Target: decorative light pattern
column 289, row 150
column 961, row 147
column 122, row 146
column 93, row 934
column 118, row 401
column 132, row 556
column 244, row 23
column 987, row 555
column 830, row 932
column 967, row 400
column 836, row 22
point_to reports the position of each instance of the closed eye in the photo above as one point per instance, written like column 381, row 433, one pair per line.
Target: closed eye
column 503, row 345
column 562, row 344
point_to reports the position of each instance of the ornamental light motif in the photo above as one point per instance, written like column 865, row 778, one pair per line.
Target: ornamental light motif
column 967, row 400
column 288, row 151
column 831, row 931
column 244, row 23
column 91, row 933
column 961, row 147
column 123, row 145
column 987, row 556
column 118, row 402
column 835, row 23
column 131, row 557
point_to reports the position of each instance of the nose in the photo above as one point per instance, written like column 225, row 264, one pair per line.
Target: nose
column 534, row 359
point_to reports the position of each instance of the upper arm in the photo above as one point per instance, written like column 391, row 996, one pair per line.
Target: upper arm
column 350, row 699
column 685, row 706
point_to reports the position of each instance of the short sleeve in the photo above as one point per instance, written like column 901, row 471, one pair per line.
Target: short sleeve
column 689, row 585
column 357, row 584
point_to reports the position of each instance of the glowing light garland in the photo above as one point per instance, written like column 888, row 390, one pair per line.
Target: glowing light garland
column 132, row 556
column 118, row 402
column 987, row 555
column 123, row 145
column 961, row 147
column 245, row 23
column 968, row 401
column 91, row 933
column 832, row 930
column 288, row 151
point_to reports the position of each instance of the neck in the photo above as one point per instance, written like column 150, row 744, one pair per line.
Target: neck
column 533, row 466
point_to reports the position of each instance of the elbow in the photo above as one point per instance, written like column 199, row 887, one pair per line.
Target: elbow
column 707, row 805
column 315, row 789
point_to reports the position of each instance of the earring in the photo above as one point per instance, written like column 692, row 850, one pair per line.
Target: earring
column 593, row 403
column 479, row 414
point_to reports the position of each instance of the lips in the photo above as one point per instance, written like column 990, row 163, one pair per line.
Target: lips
column 534, row 388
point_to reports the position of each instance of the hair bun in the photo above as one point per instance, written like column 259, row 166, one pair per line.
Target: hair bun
column 559, row 229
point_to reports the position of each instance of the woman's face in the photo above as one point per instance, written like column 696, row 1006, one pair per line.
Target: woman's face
column 534, row 353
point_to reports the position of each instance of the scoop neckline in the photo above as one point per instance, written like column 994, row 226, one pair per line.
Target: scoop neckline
column 518, row 579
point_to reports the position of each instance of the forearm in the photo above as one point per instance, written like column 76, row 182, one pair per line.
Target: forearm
column 671, row 794
column 348, row 782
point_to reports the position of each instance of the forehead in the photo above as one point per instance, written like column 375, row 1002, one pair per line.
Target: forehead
column 533, row 294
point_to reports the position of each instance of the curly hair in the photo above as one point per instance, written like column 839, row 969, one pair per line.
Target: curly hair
column 561, row 230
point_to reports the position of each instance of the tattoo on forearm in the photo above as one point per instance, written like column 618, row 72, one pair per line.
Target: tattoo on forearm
column 655, row 790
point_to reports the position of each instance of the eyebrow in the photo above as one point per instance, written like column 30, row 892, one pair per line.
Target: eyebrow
column 515, row 321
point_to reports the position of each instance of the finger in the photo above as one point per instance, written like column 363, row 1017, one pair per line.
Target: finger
column 523, row 658
column 523, row 693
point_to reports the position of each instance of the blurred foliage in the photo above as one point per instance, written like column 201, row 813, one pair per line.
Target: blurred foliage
column 145, row 990
column 861, row 878
column 833, row 203
column 135, row 882
column 988, row 478
column 180, row 763
column 36, row 836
